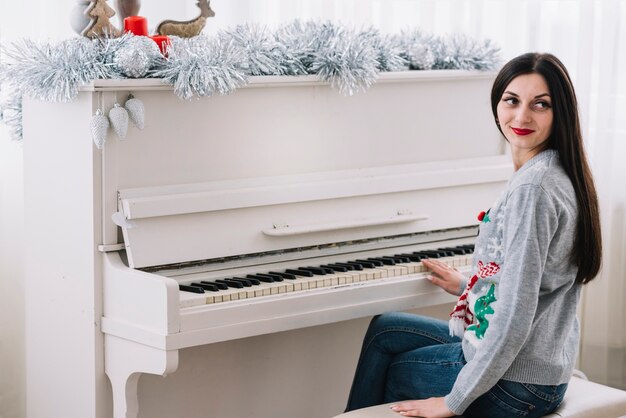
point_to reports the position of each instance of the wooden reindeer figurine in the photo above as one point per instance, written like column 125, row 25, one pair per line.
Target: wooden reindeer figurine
column 189, row 28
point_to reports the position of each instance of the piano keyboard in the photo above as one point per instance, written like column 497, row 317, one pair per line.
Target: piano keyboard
column 315, row 277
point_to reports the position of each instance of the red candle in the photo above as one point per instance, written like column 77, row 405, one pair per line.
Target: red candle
column 162, row 41
column 137, row 25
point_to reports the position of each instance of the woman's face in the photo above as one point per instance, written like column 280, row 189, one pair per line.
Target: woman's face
column 525, row 116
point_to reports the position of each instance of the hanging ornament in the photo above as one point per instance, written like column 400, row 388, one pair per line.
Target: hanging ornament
column 99, row 127
column 137, row 56
column 136, row 111
column 119, row 120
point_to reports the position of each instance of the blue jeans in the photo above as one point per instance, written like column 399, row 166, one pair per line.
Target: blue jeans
column 407, row 356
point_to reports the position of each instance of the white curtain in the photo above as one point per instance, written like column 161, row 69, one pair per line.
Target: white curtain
column 586, row 34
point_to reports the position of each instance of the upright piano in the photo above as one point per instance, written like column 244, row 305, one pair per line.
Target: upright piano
column 284, row 206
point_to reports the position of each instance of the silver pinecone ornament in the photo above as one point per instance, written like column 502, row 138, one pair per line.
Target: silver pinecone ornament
column 99, row 128
column 136, row 111
column 119, row 120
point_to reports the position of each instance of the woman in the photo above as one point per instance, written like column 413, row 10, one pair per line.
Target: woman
column 510, row 345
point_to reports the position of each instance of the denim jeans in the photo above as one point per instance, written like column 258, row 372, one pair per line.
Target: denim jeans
column 407, row 356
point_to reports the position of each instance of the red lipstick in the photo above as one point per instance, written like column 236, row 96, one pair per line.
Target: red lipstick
column 522, row 132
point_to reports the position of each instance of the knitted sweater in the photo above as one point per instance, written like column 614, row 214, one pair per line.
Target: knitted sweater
column 523, row 296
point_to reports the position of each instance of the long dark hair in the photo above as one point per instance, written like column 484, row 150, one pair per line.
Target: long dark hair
column 566, row 138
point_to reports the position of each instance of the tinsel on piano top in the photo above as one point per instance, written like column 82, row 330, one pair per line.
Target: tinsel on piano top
column 347, row 58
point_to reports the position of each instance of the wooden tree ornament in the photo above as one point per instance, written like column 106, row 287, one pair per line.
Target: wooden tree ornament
column 100, row 26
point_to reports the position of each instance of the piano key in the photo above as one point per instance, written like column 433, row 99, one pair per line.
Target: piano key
column 336, row 268
column 244, row 282
column 275, row 277
column 315, row 270
column 221, row 286
column 400, row 259
column 253, row 282
column 412, row 257
column 287, row 276
column 206, row 286
column 268, row 284
column 298, row 272
column 365, row 264
column 469, row 247
column 265, row 279
column 385, row 260
column 351, row 266
column 455, row 250
column 232, row 283
column 429, row 254
column 191, row 289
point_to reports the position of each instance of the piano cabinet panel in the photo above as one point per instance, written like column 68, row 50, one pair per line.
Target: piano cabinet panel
column 303, row 373
column 277, row 128
column 138, row 305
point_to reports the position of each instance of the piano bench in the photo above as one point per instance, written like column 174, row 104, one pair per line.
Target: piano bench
column 583, row 399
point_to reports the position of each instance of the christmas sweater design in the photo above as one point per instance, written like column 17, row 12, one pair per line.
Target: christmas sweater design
column 474, row 308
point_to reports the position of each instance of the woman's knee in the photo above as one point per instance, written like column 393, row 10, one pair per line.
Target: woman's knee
column 386, row 321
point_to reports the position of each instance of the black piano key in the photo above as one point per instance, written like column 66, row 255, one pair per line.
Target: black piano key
column 328, row 270
column 254, row 282
column 350, row 267
column 206, row 286
column 221, row 286
column 399, row 259
column 368, row 263
column 389, row 261
column 467, row 247
column 244, row 282
column 233, row 284
column 287, row 276
column 260, row 278
column 454, row 250
column 315, row 270
column 334, row 267
column 275, row 277
column 429, row 254
column 412, row 257
column 376, row 262
column 357, row 266
column 298, row 272
column 192, row 289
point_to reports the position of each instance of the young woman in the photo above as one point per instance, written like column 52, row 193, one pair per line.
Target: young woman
column 511, row 343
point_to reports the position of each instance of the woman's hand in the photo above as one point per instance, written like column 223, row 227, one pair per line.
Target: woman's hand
column 427, row 408
column 444, row 276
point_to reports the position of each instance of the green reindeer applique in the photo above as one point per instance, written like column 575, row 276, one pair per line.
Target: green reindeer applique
column 483, row 307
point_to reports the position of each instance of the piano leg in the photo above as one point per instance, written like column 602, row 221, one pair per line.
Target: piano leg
column 124, row 362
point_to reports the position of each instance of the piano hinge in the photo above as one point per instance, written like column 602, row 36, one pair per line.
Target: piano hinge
column 107, row 248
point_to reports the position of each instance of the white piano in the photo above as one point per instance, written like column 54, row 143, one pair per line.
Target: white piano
column 259, row 204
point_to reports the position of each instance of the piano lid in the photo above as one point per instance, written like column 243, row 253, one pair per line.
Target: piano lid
column 284, row 165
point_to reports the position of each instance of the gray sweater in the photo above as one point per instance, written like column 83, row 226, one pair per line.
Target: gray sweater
column 525, row 326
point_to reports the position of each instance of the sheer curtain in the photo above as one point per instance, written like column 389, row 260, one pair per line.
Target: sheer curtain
column 585, row 34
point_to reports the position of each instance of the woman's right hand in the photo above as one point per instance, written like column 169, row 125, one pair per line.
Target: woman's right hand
column 444, row 276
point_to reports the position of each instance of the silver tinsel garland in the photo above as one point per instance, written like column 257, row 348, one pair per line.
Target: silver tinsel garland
column 349, row 59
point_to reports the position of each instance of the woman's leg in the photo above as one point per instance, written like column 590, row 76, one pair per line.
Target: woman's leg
column 424, row 372
column 388, row 336
column 512, row 399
